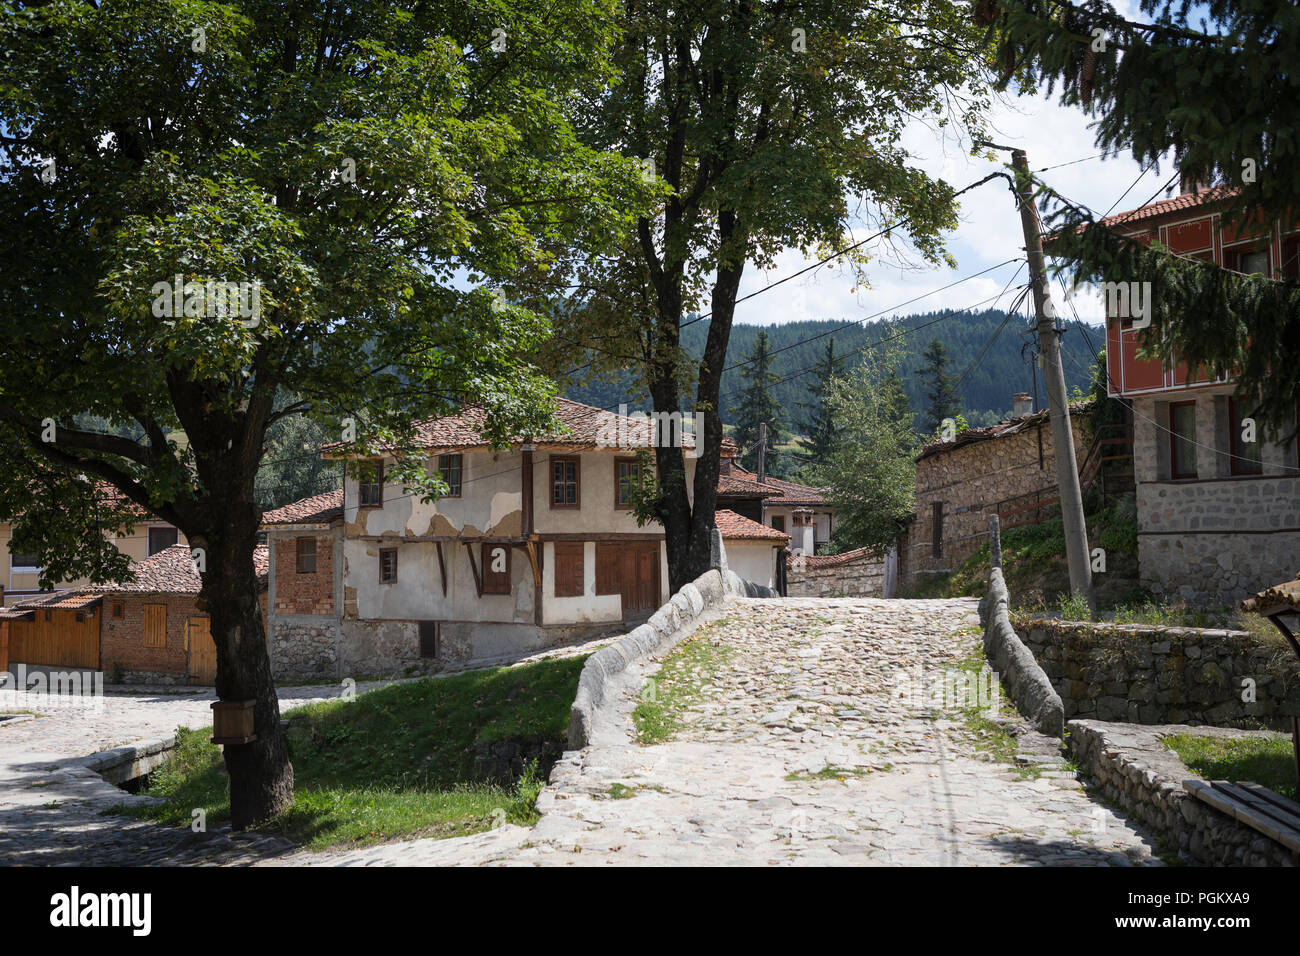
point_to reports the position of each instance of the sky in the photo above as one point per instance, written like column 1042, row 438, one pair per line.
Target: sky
column 989, row 231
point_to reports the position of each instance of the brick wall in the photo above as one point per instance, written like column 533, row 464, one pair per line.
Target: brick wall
column 122, row 639
column 304, row 593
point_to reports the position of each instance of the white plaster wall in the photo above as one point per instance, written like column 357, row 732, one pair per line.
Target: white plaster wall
column 755, row 561
column 591, row 607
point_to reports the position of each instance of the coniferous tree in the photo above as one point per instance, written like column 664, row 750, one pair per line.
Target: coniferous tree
column 819, row 426
column 941, row 387
column 757, row 405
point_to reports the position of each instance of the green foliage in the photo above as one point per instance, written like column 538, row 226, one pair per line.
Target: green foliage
column 869, row 477
column 393, row 762
column 941, row 391
column 757, row 406
column 1267, row 761
column 818, row 424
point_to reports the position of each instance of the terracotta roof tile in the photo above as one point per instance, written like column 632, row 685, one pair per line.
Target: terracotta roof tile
column 738, row 527
column 812, row 561
column 1173, row 204
column 782, row 492
column 318, row 509
column 171, row 571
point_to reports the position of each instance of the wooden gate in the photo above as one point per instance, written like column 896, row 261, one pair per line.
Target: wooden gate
column 56, row 638
column 203, row 650
column 640, row 584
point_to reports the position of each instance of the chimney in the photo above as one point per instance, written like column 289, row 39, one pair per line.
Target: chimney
column 802, row 532
column 1022, row 404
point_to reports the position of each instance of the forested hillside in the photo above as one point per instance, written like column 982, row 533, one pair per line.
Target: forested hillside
column 985, row 388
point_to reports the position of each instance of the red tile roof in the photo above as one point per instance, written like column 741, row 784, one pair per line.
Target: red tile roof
column 780, row 492
column 585, row 426
column 812, row 561
column 1003, row 429
column 318, row 509
column 171, row 571
column 1173, row 204
column 744, row 486
column 738, row 527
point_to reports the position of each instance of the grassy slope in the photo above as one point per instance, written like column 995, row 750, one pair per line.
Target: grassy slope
column 391, row 763
column 1267, row 762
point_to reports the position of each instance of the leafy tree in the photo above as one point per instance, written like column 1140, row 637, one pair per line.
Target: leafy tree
column 770, row 126
column 366, row 171
column 870, row 475
column 293, row 467
column 1213, row 84
column 757, row 406
column 818, row 426
column 941, row 387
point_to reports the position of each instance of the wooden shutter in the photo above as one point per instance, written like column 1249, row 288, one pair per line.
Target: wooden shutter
column 569, row 568
column 496, row 568
column 609, row 577
column 155, row 625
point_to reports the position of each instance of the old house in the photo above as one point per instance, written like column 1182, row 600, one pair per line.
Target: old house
column 1218, row 504
column 798, row 510
column 534, row 545
column 147, row 630
column 1008, row 469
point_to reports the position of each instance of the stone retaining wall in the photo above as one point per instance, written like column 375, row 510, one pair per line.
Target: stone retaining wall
column 859, row 573
column 707, row 592
column 1135, row 770
column 1156, row 675
column 1024, row 680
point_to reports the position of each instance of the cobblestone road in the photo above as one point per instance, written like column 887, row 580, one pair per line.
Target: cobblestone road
column 804, row 746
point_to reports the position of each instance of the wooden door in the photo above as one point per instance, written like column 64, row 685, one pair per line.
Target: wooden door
column 4, row 647
column 203, row 651
column 640, row 578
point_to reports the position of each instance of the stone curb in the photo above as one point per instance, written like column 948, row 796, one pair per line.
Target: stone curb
column 683, row 610
column 1026, row 682
column 128, row 761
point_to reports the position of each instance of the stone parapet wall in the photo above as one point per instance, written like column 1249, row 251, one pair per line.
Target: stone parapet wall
column 1155, row 675
column 859, row 573
column 1135, row 770
column 1026, row 682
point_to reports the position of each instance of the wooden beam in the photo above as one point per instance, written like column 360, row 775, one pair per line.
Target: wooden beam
column 442, row 566
column 532, row 559
column 473, row 565
column 526, row 493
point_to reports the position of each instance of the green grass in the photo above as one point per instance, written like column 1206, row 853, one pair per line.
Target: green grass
column 392, row 763
column 1267, row 761
column 687, row 668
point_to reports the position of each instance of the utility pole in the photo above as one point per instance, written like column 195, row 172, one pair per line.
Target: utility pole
column 1049, row 350
column 762, row 451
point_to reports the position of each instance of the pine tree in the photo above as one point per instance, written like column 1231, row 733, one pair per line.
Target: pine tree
column 757, row 405
column 819, row 426
column 941, row 387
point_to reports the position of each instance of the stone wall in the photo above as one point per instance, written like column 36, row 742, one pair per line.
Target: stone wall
column 303, row 649
column 1157, row 675
column 859, row 573
column 969, row 477
column 1025, row 681
column 1135, row 770
column 1218, row 537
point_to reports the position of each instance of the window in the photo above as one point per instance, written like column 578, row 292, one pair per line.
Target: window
column 429, row 638
column 161, row 538
column 387, row 565
column 564, row 482
column 1253, row 263
column 936, row 529
column 569, row 568
column 778, row 522
column 1182, row 440
column 23, row 562
column 450, row 467
column 496, row 568
column 627, row 475
column 372, row 485
column 306, row 555
column 118, row 609
column 1245, row 454
column 155, row 625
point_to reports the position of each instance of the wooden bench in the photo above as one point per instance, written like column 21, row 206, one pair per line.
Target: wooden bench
column 1257, row 807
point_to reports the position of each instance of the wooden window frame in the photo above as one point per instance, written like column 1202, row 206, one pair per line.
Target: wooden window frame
column 485, row 560
column 144, row 630
column 566, row 550
column 577, row 482
column 299, row 554
column 148, row 538
column 382, row 553
column 1174, row 474
column 118, row 610
column 1237, row 462
column 378, row 483
column 460, row 472
column 618, row 480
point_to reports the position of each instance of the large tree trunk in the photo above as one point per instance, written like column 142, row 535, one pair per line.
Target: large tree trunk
column 261, row 777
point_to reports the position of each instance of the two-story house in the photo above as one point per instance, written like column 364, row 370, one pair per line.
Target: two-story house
column 534, row 545
column 1218, row 505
